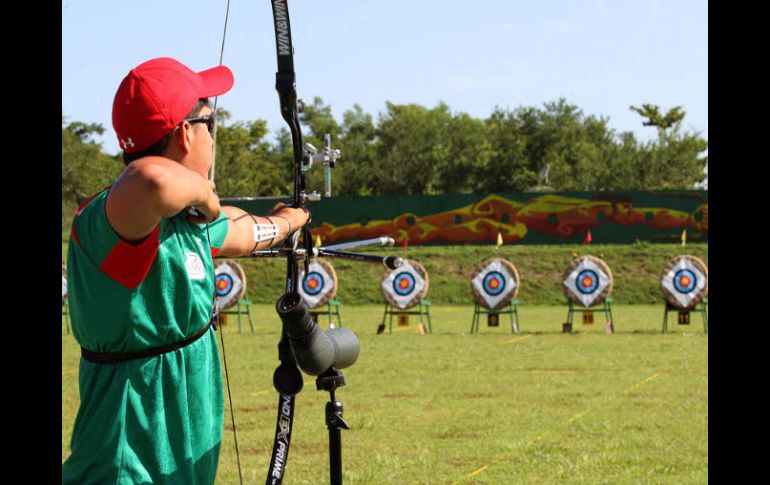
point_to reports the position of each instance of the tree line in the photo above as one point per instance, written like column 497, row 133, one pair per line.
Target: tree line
column 412, row 149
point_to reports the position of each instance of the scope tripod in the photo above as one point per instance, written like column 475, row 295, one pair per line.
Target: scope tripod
column 329, row 381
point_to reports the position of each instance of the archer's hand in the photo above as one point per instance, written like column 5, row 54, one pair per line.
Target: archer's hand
column 208, row 210
column 297, row 216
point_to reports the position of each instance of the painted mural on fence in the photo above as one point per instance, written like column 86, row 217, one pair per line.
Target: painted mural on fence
column 563, row 218
column 553, row 215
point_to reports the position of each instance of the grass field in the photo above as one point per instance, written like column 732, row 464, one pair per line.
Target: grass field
column 539, row 407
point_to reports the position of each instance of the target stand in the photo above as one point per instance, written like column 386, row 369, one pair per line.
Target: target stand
column 241, row 308
column 230, row 287
column 684, row 282
column 510, row 310
column 423, row 308
column 605, row 307
column 404, row 288
column 587, row 285
column 684, row 315
column 494, row 285
column 332, row 310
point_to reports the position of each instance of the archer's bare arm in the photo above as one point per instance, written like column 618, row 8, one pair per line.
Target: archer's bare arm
column 152, row 188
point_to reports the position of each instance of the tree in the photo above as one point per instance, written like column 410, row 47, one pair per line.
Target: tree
column 244, row 165
column 674, row 116
column 354, row 174
column 413, row 142
column 676, row 160
column 86, row 169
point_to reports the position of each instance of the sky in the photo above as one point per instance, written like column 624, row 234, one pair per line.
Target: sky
column 601, row 55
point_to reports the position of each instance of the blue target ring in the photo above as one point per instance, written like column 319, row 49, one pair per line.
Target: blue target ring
column 224, row 284
column 403, row 284
column 685, row 281
column 313, row 283
column 494, row 283
column 587, row 281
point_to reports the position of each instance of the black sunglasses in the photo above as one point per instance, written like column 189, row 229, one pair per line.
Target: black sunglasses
column 208, row 119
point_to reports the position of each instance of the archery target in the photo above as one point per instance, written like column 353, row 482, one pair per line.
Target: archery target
column 63, row 284
column 684, row 281
column 320, row 284
column 495, row 283
column 587, row 281
column 230, row 284
column 404, row 287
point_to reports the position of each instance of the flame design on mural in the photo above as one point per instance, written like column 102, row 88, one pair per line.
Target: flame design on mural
column 481, row 221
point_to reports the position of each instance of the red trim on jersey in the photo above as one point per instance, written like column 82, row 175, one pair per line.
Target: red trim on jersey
column 128, row 264
column 214, row 252
column 80, row 209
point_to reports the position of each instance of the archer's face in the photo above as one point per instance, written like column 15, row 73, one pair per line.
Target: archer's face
column 201, row 143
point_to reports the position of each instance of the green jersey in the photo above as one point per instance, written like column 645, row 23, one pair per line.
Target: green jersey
column 156, row 419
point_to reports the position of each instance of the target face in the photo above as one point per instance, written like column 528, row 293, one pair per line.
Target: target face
column 229, row 284
column 587, row 281
column 684, row 281
column 313, row 284
column 403, row 287
column 495, row 283
column 404, row 284
column 320, row 284
column 63, row 284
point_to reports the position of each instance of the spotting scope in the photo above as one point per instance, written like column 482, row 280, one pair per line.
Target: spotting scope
column 315, row 350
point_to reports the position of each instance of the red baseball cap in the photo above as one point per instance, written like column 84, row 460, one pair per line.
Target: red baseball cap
column 157, row 95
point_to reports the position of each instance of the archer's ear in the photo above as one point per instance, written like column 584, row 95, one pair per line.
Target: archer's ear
column 182, row 138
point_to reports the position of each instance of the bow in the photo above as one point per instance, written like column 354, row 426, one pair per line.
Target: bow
column 287, row 378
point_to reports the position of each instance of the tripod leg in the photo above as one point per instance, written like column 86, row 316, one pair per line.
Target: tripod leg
column 335, row 422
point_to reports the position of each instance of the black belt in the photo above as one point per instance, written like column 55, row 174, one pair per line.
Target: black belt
column 117, row 357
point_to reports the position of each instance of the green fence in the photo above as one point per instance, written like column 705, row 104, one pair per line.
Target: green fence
column 523, row 218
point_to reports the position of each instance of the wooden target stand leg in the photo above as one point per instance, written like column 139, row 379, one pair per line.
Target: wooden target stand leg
column 606, row 308
column 701, row 307
column 511, row 310
column 425, row 305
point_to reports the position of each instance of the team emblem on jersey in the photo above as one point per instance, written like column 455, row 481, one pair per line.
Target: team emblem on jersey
column 194, row 265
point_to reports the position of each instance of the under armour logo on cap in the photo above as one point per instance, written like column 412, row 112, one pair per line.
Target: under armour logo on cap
column 129, row 143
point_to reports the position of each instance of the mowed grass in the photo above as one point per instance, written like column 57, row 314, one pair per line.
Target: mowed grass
column 450, row 407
